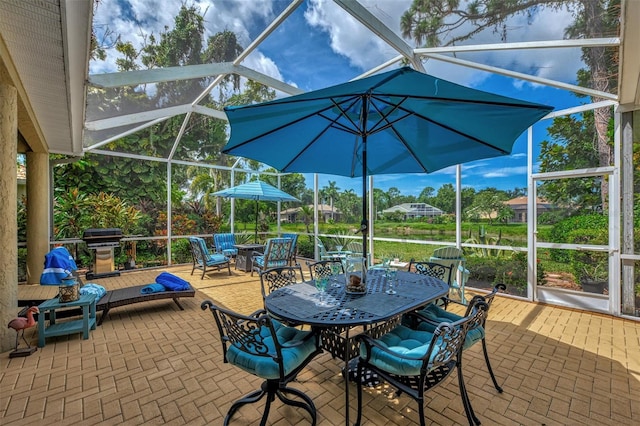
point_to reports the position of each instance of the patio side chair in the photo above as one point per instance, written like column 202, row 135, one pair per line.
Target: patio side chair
column 294, row 247
column 433, row 269
column 274, row 278
column 265, row 348
column 276, row 253
column 224, row 243
column 324, row 268
column 202, row 259
column 432, row 315
column 415, row 361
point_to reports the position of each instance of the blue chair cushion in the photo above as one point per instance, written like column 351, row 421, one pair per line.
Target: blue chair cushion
column 264, row 366
column 403, row 341
column 225, row 243
column 216, row 259
column 259, row 260
column 438, row 315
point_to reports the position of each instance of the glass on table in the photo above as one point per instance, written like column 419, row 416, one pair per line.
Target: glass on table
column 321, row 286
column 335, row 271
column 390, row 275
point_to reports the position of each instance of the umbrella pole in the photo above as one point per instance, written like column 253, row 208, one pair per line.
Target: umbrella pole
column 364, row 225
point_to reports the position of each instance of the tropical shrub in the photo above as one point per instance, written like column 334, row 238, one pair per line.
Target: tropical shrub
column 560, row 232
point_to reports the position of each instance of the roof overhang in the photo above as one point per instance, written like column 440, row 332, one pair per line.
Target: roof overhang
column 44, row 54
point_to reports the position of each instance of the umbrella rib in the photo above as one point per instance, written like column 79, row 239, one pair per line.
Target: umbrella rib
column 451, row 129
column 289, row 124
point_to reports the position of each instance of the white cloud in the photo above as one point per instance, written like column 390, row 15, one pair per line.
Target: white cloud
column 348, row 37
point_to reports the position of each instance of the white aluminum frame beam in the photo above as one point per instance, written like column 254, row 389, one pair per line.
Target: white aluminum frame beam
column 526, row 77
column 369, row 20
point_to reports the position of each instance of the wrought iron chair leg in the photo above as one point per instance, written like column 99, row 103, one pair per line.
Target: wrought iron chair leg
column 486, row 358
column 307, row 404
column 249, row 398
column 267, row 407
column 466, row 402
column 359, row 392
column 421, row 411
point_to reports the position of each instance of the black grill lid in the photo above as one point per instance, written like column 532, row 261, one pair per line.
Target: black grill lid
column 101, row 233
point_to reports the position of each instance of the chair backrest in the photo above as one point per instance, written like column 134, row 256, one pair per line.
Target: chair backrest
column 199, row 250
column 448, row 338
column 431, row 269
column 354, row 247
column 322, row 251
column 487, row 298
column 253, row 335
column 275, row 278
column 276, row 252
column 224, row 241
column 448, row 252
column 294, row 244
column 324, row 268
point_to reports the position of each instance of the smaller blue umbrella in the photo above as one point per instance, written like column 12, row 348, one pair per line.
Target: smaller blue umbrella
column 256, row 190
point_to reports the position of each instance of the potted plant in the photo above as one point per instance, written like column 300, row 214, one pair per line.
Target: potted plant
column 594, row 277
column 590, row 267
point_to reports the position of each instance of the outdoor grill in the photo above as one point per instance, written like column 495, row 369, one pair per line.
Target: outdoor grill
column 102, row 241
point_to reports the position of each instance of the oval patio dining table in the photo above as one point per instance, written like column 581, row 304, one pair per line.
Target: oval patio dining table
column 345, row 314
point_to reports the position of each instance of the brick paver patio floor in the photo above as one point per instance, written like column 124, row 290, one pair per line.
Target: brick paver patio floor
column 151, row 363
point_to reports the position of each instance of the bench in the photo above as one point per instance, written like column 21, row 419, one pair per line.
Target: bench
column 119, row 297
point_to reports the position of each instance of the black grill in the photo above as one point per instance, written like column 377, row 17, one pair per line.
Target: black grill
column 102, row 237
column 102, row 241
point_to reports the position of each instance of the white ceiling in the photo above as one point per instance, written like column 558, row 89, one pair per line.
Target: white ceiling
column 44, row 47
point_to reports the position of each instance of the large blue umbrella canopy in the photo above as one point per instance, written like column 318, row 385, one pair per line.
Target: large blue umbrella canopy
column 258, row 191
column 401, row 121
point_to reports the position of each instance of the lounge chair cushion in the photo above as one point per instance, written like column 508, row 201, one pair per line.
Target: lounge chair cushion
column 295, row 349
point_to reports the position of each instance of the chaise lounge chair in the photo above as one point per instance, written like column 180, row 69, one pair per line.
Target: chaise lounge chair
column 118, row 297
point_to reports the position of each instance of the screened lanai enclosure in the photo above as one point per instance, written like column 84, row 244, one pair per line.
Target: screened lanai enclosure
column 554, row 215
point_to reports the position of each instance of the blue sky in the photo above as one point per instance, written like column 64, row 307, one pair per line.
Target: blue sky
column 320, row 45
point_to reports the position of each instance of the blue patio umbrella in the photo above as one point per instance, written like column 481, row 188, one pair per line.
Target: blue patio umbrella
column 258, row 191
column 401, row 121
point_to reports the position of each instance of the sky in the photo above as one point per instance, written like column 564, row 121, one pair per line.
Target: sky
column 320, row 45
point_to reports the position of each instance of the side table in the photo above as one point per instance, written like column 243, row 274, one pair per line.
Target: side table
column 244, row 262
column 86, row 302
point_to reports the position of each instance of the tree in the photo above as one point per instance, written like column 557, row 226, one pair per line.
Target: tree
column 489, row 204
column 332, row 193
column 445, row 198
column 426, row 195
column 572, row 146
column 428, row 22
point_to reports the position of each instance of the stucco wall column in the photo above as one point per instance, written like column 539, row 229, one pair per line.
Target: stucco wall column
column 8, row 208
column 37, row 214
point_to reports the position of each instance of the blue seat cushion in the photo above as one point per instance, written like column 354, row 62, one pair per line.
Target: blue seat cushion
column 403, row 341
column 438, row 315
column 216, row 259
column 265, row 366
column 259, row 260
column 230, row 251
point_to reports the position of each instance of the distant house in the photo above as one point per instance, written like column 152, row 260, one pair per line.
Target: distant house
column 22, row 180
column 414, row 210
column 324, row 213
column 519, row 207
